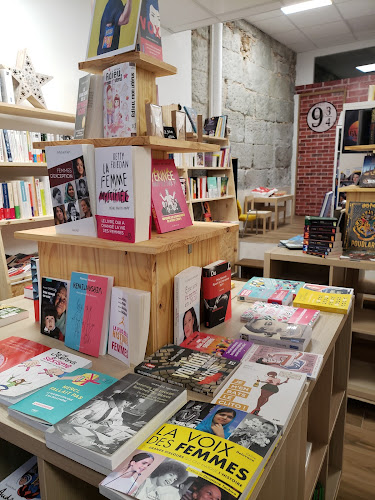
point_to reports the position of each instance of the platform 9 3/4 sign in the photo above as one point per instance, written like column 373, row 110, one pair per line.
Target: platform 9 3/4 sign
column 322, row 116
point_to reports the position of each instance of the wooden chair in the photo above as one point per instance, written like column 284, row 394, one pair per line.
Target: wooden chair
column 246, row 217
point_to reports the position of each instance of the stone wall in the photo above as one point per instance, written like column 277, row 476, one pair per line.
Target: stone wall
column 258, row 90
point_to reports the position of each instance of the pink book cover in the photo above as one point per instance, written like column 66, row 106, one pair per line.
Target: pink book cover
column 169, row 207
column 208, row 343
column 282, row 297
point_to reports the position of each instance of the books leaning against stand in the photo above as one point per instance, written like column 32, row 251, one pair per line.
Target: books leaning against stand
column 22, row 483
column 10, row 314
column 54, row 305
column 286, row 314
column 89, row 114
column 187, row 294
column 193, row 457
column 106, row 429
column 15, row 350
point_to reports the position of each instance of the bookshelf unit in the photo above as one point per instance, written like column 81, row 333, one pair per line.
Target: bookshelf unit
column 16, row 117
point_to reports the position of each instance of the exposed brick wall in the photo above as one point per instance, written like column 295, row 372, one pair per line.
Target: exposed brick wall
column 316, row 150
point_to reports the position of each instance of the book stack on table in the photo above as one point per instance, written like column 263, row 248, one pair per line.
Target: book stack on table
column 321, row 237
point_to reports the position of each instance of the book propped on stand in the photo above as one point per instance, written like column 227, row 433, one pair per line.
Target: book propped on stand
column 16, row 350
column 360, row 236
column 216, row 286
column 187, row 295
column 106, row 429
column 89, row 114
column 22, row 483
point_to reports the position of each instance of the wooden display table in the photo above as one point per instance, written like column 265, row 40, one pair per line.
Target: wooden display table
column 319, row 417
column 274, row 202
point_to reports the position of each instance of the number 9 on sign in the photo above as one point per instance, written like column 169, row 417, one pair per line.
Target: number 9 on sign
column 321, row 117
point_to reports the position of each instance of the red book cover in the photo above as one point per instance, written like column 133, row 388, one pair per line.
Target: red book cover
column 16, row 350
column 216, row 286
column 282, row 297
column 169, row 208
column 149, row 36
column 207, row 342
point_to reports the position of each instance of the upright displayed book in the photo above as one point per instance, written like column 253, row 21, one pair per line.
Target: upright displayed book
column 71, row 171
column 193, row 457
column 192, row 116
column 149, row 36
column 52, row 403
column 10, row 314
column 286, row 314
column 351, row 125
column 169, row 208
column 21, row 380
column 88, row 313
column 216, row 287
column 119, row 101
column 89, row 114
column 22, row 483
column 16, row 350
column 360, row 235
column 123, row 191
column 187, row 294
column 367, row 178
column 106, row 429
column 35, row 280
column 218, row 345
column 129, row 324
column 328, row 302
column 199, row 372
column 54, row 303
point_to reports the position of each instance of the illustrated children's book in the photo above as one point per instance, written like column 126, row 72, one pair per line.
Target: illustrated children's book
column 195, row 435
column 22, row 483
column 360, row 232
column 129, row 324
column 15, row 350
column 21, row 380
column 108, row 427
column 328, row 302
column 197, row 371
column 286, row 314
column 216, row 286
column 123, row 192
column 10, row 314
column 119, row 101
column 169, row 208
column 71, row 171
column 54, row 306
column 88, row 313
column 187, row 296
column 52, row 403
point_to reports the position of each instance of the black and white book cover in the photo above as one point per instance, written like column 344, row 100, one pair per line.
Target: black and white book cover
column 54, row 303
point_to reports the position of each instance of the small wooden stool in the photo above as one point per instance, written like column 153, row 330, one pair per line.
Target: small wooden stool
column 264, row 215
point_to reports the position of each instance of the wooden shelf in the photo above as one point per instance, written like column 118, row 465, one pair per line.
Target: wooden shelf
column 318, row 454
column 336, row 401
column 362, row 381
column 14, row 164
column 40, row 114
column 10, row 222
column 206, row 168
column 356, row 189
column 363, row 148
column 198, row 200
column 333, row 482
column 157, row 143
column 144, row 61
column 364, row 321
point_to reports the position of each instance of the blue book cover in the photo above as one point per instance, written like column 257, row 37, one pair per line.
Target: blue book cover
column 66, row 394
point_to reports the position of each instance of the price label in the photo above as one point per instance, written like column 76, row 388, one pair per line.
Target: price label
column 321, row 117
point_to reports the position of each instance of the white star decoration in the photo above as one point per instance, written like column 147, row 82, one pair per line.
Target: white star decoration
column 29, row 82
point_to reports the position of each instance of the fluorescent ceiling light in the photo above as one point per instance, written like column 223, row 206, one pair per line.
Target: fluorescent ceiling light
column 366, row 68
column 300, row 7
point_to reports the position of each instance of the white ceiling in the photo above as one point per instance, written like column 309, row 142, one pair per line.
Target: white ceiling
column 343, row 22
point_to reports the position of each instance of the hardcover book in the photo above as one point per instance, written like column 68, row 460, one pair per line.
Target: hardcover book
column 149, row 36
column 89, row 114
column 216, row 287
column 351, row 125
column 367, row 178
column 218, row 345
column 22, row 483
column 88, row 313
column 106, row 429
column 123, row 193
column 169, row 208
column 187, row 295
column 328, row 302
column 10, row 314
column 275, row 284
column 359, row 232
column 16, row 350
column 54, row 304
column 199, row 372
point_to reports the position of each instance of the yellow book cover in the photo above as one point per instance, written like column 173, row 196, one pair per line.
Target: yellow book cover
column 203, row 449
column 328, row 302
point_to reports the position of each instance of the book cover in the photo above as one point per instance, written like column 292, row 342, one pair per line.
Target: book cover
column 71, row 171
column 260, row 390
column 328, row 302
column 252, row 293
column 22, row 483
column 237, row 349
column 210, row 125
column 119, row 101
column 277, row 284
column 35, row 280
column 360, row 234
column 311, row 220
column 328, row 289
column 216, row 291
column 192, row 458
column 217, row 345
column 149, row 36
column 187, row 294
column 199, row 372
column 16, row 350
column 55, row 401
column 298, row 362
column 10, row 314
column 192, row 116
column 88, row 313
column 367, row 178
column 351, row 124
column 212, row 189
column 282, row 297
column 54, row 303
column 123, row 193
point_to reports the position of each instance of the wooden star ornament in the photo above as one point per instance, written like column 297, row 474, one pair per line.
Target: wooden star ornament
column 29, row 82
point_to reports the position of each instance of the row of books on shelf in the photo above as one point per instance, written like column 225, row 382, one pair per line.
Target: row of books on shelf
column 220, row 159
column 25, row 198
column 208, row 187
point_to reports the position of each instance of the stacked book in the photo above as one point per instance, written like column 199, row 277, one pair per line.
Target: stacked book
column 321, row 236
column 274, row 291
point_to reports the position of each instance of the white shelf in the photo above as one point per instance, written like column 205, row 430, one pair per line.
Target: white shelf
column 15, row 164
column 10, row 222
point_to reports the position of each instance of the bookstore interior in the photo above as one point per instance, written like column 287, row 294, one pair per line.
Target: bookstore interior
column 151, row 264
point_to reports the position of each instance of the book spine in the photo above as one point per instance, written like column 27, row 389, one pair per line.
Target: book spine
column 2, row 156
column 154, row 214
column 133, row 97
column 1, row 204
column 11, row 201
column 7, row 145
column 30, row 196
column 6, row 200
column 17, row 208
column 38, row 196
column 7, row 91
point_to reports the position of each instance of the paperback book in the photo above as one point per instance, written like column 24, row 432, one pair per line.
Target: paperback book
column 217, row 345
column 367, row 178
column 199, row 372
column 89, row 114
column 10, row 314
column 328, row 302
column 285, row 314
column 106, row 429
column 54, row 305
column 22, row 483
column 149, row 35
column 16, row 350
column 216, row 288
column 187, row 295
column 266, row 287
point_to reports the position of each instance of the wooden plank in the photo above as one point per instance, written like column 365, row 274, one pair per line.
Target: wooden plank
column 356, row 189
column 40, row 114
column 143, row 61
column 364, row 321
column 362, row 381
column 199, row 200
column 145, row 92
column 29, row 164
column 11, row 222
column 363, row 148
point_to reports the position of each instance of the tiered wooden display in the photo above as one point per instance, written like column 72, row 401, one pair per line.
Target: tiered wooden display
column 11, row 170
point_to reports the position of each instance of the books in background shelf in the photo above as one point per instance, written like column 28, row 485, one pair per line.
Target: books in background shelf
column 55, row 401
column 123, row 193
column 212, row 187
column 169, row 208
column 28, row 292
column 119, row 101
column 36, row 282
column 215, row 126
column 88, row 313
column 224, row 186
column 364, row 126
column 216, row 287
column 15, row 350
column 192, row 115
column 21, row 380
column 206, row 211
column 129, row 324
column 106, row 429
column 360, row 235
column 217, row 345
column 367, row 178
column 286, row 314
column 351, row 125
column 71, row 171
column 328, row 302
column 149, row 36
column 22, row 483
column 10, row 314
column 54, row 304
column 89, row 114
column 248, row 442
column 199, row 372
column 6, row 86
column 298, row 362
column 187, row 294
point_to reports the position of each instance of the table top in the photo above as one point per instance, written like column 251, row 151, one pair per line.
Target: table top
column 266, row 199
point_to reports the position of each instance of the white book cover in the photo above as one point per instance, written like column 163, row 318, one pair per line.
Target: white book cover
column 263, row 390
column 22, row 483
column 123, row 193
column 7, row 91
column 38, row 196
column 47, row 196
column 20, row 380
column 2, row 148
column 71, row 171
column 187, row 296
